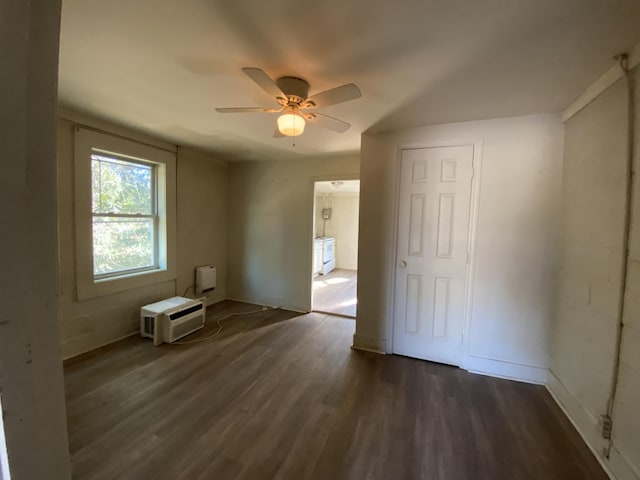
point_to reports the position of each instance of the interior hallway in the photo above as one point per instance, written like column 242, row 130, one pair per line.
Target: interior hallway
column 336, row 292
column 280, row 395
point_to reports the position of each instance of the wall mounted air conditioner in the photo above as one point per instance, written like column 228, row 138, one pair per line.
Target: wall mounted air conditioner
column 171, row 319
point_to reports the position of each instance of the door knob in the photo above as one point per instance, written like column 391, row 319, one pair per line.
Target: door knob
column 403, row 264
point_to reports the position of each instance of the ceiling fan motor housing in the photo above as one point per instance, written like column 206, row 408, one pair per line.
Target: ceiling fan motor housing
column 294, row 88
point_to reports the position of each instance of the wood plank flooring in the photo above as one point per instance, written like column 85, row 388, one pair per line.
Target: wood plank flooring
column 280, row 395
column 336, row 292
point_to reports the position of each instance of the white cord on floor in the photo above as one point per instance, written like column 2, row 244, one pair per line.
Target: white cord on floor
column 219, row 323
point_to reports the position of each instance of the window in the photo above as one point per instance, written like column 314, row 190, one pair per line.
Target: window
column 125, row 217
column 125, row 214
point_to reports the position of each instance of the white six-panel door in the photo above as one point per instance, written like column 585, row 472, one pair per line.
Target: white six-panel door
column 432, row 252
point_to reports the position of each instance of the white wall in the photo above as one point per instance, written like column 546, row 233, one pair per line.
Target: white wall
column 321, row 228
column 584, row 329
column 343, row 225
column 626, row 415
column 31, row 381
column 516, row 247
column 345, row 228
column 271, row 225
column 201, row 219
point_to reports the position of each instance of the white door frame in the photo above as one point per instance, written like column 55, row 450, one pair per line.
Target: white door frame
column 473, row 227
column 312, row 195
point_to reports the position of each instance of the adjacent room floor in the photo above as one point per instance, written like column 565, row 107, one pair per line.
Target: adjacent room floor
column 280, row 395
column 336, row 292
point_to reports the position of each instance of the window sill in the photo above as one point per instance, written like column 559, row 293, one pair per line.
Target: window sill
column 128, row 275
column 107, row 286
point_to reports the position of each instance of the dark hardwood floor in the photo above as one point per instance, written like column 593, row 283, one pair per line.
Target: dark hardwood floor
column 335, row 292
column 282, row 396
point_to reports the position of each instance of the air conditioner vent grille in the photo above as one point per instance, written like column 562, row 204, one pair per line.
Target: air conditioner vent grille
column 185, row 312
column 149, row 325
column 186, row 328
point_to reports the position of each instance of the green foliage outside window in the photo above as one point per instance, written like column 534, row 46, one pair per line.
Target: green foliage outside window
column 124, row 224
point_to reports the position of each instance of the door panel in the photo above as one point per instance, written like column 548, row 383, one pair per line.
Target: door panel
column 444, row 245
column 433, row 228
column 416, row 225
column 414, row 287
column 440, row 307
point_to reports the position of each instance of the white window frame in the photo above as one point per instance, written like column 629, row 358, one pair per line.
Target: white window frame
column 154, row 216
column 86, row 143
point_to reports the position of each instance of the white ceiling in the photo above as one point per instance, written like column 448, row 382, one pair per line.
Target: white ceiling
column 338, row 187
column 162, row 65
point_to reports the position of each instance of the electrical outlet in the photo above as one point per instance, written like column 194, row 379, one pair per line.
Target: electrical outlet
column 607, row 426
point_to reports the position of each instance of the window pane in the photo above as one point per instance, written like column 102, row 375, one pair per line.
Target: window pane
column 118, row 186
column 122, row 244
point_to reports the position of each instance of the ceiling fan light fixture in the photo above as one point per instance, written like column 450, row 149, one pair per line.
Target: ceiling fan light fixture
column 292, row 94
column 291, row 124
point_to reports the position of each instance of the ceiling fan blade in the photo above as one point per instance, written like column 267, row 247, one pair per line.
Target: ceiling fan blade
column 334, row 96
column 248, row 110
column 278, row 134
column 327, row 122
column 264, row 81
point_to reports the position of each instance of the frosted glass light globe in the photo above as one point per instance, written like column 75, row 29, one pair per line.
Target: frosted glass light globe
column 291, row 124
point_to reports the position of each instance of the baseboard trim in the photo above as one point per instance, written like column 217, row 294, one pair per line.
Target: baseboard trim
column 369, row 344
column 79, row 356
column 76, row 357
column 333, row 314
column 506, row 370
column 370, row 350
column 266, row 302
column 477, row 365
column 621, row 468
column 617, row 468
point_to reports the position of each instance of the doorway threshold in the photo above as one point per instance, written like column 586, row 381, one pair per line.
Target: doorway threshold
column 343, row 315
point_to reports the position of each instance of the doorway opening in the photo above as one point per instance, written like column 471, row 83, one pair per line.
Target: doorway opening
column 335, row 247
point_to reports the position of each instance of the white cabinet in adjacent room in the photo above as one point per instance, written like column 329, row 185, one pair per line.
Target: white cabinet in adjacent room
column 324, row 259
column 317, row 256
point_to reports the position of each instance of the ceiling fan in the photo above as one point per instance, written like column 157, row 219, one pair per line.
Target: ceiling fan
column 291, row 93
